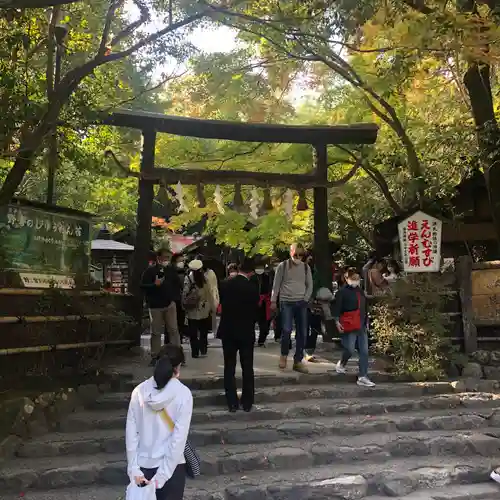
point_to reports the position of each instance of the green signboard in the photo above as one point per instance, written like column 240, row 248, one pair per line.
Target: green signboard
column 35, row 240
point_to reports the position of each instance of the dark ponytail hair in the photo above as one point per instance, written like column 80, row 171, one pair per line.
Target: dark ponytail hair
column 164, row 371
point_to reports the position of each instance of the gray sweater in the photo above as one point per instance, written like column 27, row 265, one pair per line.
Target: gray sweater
column 292, row 282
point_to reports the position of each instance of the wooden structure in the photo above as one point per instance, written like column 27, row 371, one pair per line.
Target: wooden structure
column 469, row 238
column 46, row 328
column 111, row 259
column 319, row 137
column 479, row 288
column 467, row 224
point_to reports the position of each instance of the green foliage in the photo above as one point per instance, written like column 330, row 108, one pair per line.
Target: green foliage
column 410, row 329
column 323, row 62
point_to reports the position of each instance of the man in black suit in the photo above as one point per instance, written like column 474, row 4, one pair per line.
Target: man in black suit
column 240, row 302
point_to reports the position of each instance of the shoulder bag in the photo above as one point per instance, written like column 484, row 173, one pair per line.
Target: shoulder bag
column 193, row 462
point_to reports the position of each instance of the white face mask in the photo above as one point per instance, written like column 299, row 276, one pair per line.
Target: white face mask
column 353, row 283
column 233, row 274
column 259, row 271
column 180, row 265
column 296, row 260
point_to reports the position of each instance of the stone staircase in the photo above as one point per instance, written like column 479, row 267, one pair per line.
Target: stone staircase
column 309, row 437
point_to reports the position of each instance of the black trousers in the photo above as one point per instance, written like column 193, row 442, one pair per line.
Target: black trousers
column 264, row 324
column 181, row 319
column 278, row 327
column 231, row 348
column 198, row 335
column 174, row 487
column 313, row 330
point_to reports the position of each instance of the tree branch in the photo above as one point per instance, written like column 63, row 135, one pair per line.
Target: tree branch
column 379, row 180
column 51, row 46
column 377, row 177
column 342, row 68
column 419, row 6
column 128, row 30
column 348, row 176
column 103, row 46
column 153, row 38
column 349, row 220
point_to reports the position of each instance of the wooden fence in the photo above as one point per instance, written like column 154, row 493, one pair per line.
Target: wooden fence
column 46, row 331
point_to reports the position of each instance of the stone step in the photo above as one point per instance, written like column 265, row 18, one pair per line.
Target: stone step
column 481, row 491
column 391, row 478
column 238, row 432
column 312, row 408
column 222, row 460
column 289, row 378
column 287, row 393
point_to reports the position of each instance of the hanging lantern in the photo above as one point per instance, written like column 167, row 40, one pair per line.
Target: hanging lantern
column 238, row 204
column 200, row 194
column 179, row 194
column 288, row 205
column 254, row 204
column 219, row 200
column 302, row 203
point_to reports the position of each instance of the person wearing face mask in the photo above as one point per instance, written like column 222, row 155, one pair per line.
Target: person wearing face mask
column 263, row 282
column 160, row 284
column 293, row 284
column 350, row 314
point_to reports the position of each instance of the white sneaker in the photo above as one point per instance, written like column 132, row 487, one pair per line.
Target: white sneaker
column 339, row 368
column 365, row 382
column 495, row 475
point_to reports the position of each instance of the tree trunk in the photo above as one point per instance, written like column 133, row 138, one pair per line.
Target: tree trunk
column 15, row 176
column 477, row 82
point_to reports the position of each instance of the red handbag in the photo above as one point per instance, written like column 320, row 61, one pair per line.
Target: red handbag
column 351, row 320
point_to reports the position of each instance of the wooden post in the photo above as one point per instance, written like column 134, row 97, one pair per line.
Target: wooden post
column 464, row 278
column 143, row 232
column 322, row 256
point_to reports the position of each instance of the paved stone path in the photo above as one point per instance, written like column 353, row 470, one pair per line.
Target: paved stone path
column 266, row 361
column 316, row 436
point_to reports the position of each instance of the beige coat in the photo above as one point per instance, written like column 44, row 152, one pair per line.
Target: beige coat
column 213, row 286
column 203, row 310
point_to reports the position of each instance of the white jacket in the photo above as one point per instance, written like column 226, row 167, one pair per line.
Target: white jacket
column 150, row 442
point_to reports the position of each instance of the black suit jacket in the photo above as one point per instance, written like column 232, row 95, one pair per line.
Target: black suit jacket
column 239, row 298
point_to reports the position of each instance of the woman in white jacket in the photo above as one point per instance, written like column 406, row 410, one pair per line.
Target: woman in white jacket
column 158, row 421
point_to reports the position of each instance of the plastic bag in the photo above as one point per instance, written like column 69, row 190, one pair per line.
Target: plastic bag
column 135, row 492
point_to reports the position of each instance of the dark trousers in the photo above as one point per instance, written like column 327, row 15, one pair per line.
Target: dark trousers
column 313, row 330
column 278, row 326
column 264, row 324
column 174, row 487
column 198, row 335
column 181, row 320
column 231, row 348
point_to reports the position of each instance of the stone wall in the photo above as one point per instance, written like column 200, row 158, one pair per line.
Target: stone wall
column 482, row 372
column 23, row 417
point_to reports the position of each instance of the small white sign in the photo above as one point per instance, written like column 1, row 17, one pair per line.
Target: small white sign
column 31, row 280
column 420, row 241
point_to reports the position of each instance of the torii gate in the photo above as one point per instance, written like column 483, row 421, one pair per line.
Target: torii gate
column 319, row 137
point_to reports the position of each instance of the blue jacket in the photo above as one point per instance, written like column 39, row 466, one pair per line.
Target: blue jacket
column 347, row 300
